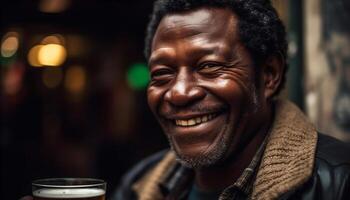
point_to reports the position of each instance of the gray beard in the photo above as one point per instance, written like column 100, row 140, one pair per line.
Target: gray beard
column 210, row 158
column 205, row 159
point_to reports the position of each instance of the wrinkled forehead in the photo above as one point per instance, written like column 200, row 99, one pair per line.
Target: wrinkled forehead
column 216, row 22
column 197, row 17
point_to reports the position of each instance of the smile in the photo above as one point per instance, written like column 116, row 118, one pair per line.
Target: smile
column 195, row 121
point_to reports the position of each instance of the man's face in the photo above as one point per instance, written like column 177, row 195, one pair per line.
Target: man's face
column 202, row 88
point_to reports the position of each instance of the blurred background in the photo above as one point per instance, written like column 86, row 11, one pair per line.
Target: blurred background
column 73, row 79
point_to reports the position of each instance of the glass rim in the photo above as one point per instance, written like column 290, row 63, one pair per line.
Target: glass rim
column 45, row 182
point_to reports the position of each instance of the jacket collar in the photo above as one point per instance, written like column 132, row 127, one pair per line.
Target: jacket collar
column 286, row 163
column 288, row 159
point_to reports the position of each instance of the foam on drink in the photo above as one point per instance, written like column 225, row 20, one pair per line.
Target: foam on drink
column 68, row 193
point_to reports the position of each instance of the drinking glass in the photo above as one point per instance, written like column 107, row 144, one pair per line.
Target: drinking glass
column 69, row 189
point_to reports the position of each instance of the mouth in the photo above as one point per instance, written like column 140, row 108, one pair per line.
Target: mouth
column 193, row 133
column 194, row 121
column 195, row 125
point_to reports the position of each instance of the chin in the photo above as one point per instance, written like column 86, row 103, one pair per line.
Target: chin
column 203, row 156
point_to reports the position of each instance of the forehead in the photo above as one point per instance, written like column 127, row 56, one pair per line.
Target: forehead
column 206, row 22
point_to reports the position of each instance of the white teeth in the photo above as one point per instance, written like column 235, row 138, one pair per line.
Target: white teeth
column 204, row 118
column 191, row 122
column 194, row 121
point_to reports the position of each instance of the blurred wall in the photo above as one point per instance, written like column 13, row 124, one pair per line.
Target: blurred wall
column 327, row 80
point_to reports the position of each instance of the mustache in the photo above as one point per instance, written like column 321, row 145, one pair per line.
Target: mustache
column 169, row 110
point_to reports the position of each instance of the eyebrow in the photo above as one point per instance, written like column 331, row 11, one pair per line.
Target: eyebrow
column 165, row 56
column 160, row 57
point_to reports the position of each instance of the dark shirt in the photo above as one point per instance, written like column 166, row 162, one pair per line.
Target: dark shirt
column 198, row 194
column 241, row 189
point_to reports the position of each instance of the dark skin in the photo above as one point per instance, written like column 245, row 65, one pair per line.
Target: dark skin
column 204, row 93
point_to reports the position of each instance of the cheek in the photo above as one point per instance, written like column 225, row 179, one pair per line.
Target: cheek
column 229, row 91
column 154, row 96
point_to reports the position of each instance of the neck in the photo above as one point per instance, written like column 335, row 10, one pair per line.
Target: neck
column 219, row 177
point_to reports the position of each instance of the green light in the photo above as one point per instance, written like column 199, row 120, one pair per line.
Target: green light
column 138, row 76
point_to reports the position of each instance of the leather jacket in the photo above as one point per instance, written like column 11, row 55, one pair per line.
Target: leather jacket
column 330, row 179
column 331, row 174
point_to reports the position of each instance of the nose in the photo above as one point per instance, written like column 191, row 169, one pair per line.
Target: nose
column 184, row 90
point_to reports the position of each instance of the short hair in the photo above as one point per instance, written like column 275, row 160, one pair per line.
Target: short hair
column 260, row 28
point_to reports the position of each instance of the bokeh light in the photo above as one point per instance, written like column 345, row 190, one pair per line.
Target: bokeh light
column 33, row 56
column 75, row 79
column 54, row 6
column 13, row 79
column 52, row 77
column 53, row 39
column 52, row 55
column 138, row 76
column 9, row 45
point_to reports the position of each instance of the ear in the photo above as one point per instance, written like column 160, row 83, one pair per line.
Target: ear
column 272, row 74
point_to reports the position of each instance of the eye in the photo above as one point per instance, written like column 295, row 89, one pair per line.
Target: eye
column 160, row 72
column 161, row 76
column 209, row 67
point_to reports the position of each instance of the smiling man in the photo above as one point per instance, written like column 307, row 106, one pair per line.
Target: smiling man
column 216, row 68
column 203, row 90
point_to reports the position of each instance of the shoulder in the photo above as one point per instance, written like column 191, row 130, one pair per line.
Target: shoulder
column 124, row 190
column 332, row 151
column 332, row 168
column 331, row 174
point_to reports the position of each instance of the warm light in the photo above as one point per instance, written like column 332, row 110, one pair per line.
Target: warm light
column 54, row 6
column 13, row 79
column 52, row 77
column 75, row 79
column 33, row 56
column 52, row 55
column 9, row 44
column 54, row 39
